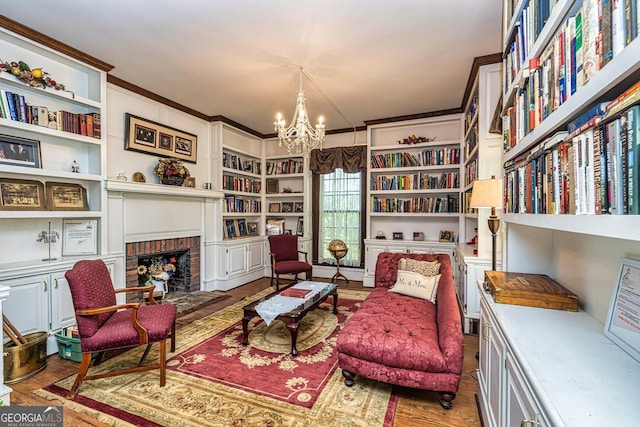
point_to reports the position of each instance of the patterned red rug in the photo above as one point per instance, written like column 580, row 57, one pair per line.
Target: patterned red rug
column 214, row 380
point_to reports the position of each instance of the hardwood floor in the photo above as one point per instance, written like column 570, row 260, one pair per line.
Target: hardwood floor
column 416, row 408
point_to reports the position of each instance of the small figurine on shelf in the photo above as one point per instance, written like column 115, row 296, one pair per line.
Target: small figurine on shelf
column 75, row 167
column 380, row 235
column 416, row 139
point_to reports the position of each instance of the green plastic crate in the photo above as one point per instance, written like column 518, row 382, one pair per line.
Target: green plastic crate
column 69, row 348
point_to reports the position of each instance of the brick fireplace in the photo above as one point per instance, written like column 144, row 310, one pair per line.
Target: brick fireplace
column 186, row 249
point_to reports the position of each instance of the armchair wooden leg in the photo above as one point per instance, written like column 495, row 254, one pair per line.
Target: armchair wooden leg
column 144, row 355
column 173, row 337
column 163, row 363
column 82, row 372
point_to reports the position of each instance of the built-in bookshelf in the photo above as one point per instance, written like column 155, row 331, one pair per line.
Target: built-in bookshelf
column 414, row 172
column 285, row 183
column 554, row 224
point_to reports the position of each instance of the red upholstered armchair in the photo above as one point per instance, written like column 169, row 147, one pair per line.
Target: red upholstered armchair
column 104, row 325
column 285, row 258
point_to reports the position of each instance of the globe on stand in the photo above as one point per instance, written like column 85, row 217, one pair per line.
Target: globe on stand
column 338, row 250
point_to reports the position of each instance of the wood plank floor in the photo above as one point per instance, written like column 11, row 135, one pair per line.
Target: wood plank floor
column 416, row 408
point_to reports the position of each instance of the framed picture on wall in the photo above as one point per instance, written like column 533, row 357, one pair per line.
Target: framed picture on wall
column 147, row 136
column 252, row 228
column 274, row 207
column 79, row 237
column 19, row 151
column 446, row 236
column 275, row 226
column 300, row 227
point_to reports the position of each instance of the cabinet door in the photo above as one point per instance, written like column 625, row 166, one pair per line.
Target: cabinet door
column 255, row 256
column 27, row 306
column 491, row 377
column 520, row 409
column 372, row 258
column 62, row 311
column 236, row 260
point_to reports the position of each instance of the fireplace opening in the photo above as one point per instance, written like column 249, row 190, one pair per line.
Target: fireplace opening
column 185, row 251
column 171, row 267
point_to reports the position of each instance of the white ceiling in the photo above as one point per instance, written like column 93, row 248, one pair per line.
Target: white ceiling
column 371, row 59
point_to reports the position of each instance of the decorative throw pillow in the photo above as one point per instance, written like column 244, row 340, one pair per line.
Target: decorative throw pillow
column 416, row 285
column 426, row 268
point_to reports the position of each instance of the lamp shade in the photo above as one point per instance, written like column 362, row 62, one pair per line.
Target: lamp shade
column 487, row 193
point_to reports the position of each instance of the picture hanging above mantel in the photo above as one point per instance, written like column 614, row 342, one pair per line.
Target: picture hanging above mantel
column 149, row 137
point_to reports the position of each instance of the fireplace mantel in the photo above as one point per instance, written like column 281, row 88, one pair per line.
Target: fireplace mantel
column 161, row 190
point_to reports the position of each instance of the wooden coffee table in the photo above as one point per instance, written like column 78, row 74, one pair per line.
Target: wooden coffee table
column 292, row 318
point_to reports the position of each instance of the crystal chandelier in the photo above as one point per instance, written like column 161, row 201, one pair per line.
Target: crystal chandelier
column 300, row 137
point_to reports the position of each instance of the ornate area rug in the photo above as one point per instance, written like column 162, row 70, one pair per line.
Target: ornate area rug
column 188, row 302
column 212, row 380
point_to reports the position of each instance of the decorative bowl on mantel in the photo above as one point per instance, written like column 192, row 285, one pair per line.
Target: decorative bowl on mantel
column 171, row 171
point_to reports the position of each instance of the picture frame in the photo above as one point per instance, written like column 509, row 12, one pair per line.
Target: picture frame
column 230, row 229
column 272, row 186
column 242, row 227
column 418, row 236
column 17, row 151
column 65, row 196
column 252, row 228
column 79, row 237
column 288, row 231
column 274, row 207
column 287, row 207
column 621, row 326
column 274, row 226
column 300, row 227
column 446, row 236
column 149, row 137
column 298, row 207
column 398, row 236
column 22, row 195
column 190, row 182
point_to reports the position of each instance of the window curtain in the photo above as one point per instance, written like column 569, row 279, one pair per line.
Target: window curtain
column 351, row 160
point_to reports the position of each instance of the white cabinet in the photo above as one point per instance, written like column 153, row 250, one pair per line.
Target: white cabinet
column 536, row 363
column 40, row 299
column 238, row 261
column 414, row 187
column 469, row 269
column 374, row 247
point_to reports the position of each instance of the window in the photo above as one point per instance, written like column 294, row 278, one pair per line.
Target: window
column 340, row 210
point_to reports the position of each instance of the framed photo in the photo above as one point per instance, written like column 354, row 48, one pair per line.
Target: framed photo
column 446, row 236
column 190, row 182
column 63, row 196
column 150, row 137
column 298, row 207
column 79, row 237
column 622, row 326
column 288, row 231
column 252, row 228
column 418, row 236
column 272, row 186
column 230, row 230
column 242, row 227
column 287, row 207
column 274, row 207
column 398, row 236
column 20, row 151
column 21, row 195
column 300, row 227
column 275, row 226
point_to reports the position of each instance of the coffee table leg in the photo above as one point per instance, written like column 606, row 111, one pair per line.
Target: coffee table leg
column 245, row 329
column 293, row 330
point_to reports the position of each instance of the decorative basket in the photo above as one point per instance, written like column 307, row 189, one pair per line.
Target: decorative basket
column 173, row 180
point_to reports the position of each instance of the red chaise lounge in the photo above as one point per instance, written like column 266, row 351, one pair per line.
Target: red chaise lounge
column 405, row 340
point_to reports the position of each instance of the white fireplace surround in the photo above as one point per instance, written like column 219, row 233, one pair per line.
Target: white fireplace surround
column 140, row 212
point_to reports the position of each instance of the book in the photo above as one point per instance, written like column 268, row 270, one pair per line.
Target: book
column 623, row 101
column 590, row 40
column 633, row 159
column 615, row 170
column 96, row 125
column 23, row 109
column 597, row 110
column 43, row 116
column 295, row 293
column 617, row 27
column 13, row 112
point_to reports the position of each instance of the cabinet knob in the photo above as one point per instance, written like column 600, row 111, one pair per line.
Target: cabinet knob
column 56, row 283
column 525, row 423
column 45, row 285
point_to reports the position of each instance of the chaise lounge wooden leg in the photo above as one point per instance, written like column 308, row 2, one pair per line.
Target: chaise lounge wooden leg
column 82, row 372
column 349, row 378
column 446, row 399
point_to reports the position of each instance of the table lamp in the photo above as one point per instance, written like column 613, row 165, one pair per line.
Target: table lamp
column 487, row 193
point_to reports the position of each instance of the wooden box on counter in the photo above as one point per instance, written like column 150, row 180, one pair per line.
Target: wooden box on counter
column 532, row 290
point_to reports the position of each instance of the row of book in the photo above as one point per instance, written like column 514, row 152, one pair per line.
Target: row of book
column 247, row 185
column 471, row 113
column 13, row 106
column 593, row 170
column 417, row 181
column 448, row 204
column 593, row 33
column 428, row 157
column 471, row 172
column 233, row 161
column 285, row 167
column 236, row 205
column 471, row 141
column 70, row 332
